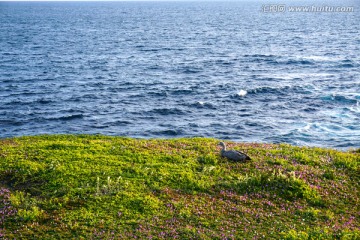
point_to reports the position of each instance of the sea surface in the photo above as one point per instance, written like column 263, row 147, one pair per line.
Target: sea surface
column 226, row 70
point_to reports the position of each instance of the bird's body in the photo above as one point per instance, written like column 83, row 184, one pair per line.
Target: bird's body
column 233, row 155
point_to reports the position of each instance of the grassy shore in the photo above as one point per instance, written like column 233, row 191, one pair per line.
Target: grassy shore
column 101, row 187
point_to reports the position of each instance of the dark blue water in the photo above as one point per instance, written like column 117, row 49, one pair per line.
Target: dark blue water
column 172, row 69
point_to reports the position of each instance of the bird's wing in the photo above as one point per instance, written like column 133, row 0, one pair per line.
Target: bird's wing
column 247, row 157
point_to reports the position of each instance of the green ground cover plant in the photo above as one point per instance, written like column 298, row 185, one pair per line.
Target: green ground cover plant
column 102, row 187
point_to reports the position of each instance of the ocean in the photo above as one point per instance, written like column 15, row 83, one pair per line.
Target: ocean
column 242, row 71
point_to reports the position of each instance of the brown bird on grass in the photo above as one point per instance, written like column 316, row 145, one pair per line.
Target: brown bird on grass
column 233, row 155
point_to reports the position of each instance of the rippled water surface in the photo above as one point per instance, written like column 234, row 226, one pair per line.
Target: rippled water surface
column 147, row 69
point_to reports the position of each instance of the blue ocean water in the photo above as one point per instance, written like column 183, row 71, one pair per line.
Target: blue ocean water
column 178, row 69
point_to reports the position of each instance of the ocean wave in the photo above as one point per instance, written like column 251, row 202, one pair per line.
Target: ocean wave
column 168, row 111
column 182, row 92
column 201, row 104
column 44, row 101
column 66, row 117
column 320, row 58
column 339, row 98
column 189, row 69
column 347, row 65
column 168, row 132
column 297, row 62
column 260, row 56
column 118, row 123
column 11, row 122
column 279, row 60
column 26, row 101
column 296, row 76
column 158, row 93
column 280, row 90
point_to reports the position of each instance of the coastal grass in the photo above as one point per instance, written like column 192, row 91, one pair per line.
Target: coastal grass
column 102, row 187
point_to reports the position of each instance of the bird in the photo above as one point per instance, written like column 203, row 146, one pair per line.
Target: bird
column 233, row 155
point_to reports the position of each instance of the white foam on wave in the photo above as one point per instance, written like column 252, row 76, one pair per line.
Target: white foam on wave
column 307, row 127
column 242, row 93
column 303, row 127
column 355, row 108
column 321, row 128
column 200, row 103
column 320, row 58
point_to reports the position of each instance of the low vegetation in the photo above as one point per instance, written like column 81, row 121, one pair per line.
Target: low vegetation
column 102, row 187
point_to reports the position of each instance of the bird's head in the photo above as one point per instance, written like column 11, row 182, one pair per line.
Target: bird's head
column 222, row 144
